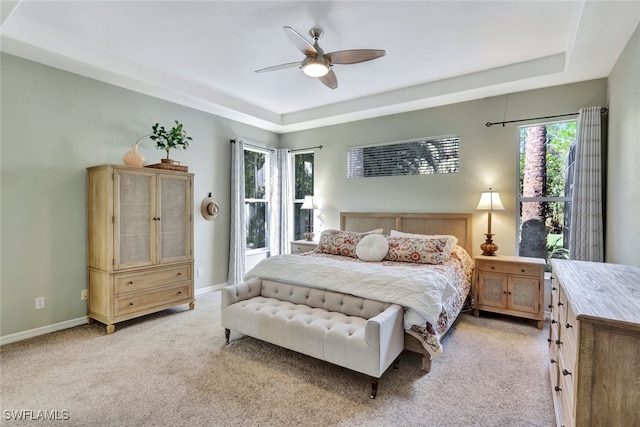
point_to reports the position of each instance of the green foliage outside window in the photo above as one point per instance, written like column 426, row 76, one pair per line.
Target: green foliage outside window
column 255, row 193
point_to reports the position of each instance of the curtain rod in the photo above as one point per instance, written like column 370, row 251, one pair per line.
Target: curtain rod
column 489, row 124
column 233, row 141
column 304, row 149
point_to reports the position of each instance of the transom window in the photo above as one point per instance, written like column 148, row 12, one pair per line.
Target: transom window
column 416, row 157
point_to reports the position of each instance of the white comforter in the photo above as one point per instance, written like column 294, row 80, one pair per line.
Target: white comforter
column 422, row 291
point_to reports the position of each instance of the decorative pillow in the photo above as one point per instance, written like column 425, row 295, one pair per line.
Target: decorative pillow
column 417, row 250
column 373, row 248
column 452, row 241
column 338, row 242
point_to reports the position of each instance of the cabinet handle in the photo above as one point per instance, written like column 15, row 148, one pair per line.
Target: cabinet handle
column 568, row 325
column 554, row 288
column 550, row 306
column 549, row 340
column 131, row 303
column 558, row 342
column 554, row 321
column 560, row 303
column 565, row 372
column 509, row 293
column 504, row 292
column 130, row 282
column 522, row 270
column 179, row 273
column 556, row 388
column 553, row 361
column 492, row 267
column 179, row 292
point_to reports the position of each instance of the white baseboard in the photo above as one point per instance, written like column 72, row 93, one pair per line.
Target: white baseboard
column 19, row 336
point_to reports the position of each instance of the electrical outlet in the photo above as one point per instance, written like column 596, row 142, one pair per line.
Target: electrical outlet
column 83, row 294
column 39, row 303
column 200, row 272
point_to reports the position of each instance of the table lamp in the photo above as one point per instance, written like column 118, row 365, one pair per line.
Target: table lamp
column 309, row 204
column 489, row 201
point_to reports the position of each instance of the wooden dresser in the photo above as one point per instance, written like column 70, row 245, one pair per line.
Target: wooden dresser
column 140, row 242
column 594, row 343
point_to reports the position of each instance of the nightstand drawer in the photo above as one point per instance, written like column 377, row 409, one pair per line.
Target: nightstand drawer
column 301, row 246
column 506, row 268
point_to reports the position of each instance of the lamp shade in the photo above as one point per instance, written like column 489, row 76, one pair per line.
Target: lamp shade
column 490, row 201
column 309, row 203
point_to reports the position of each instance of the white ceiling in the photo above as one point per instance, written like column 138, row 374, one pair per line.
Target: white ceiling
column 204, row 53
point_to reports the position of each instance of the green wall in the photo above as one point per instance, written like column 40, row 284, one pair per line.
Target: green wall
column 488, row 158
column 623, row 201
column 54, row 125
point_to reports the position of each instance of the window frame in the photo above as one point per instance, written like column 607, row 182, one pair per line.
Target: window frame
column 295, row 202
column 266, row 201
column 520, row 199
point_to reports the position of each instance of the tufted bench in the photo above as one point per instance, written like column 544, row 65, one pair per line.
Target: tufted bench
column 356, row 333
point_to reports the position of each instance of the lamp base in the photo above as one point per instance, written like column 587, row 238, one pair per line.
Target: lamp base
column 488, row 247
column 308, row 236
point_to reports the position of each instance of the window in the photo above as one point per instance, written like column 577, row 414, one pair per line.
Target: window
column 256, row 204
column 303, row 168
column 544, row 196
column 417, row 157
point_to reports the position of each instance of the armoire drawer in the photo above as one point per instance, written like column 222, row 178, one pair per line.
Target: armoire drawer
column 132, row 282
column 140, row 301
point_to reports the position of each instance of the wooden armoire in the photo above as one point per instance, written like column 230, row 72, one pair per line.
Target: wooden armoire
column 140, row 242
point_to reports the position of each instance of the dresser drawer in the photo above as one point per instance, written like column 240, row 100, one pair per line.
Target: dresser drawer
column 131, row 282
column 301, row 246
column 506, row 268
column 140, row 301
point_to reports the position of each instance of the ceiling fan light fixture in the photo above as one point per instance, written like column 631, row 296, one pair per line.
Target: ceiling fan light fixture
column 313, row 67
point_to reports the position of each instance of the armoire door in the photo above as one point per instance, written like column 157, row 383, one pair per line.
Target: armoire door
column 176, row 222
column 134, row 219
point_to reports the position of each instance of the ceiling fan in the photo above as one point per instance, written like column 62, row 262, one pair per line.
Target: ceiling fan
column 317, row 63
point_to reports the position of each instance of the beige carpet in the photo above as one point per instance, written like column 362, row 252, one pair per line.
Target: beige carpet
column 173, row 369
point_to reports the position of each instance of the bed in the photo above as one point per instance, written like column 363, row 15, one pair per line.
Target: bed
column 351, row 275
column 456, row 224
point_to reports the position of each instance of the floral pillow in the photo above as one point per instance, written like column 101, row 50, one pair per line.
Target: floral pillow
column 416, row 250
column 338, row 242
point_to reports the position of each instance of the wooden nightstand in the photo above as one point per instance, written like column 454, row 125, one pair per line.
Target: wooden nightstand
column 509, row 285
column 300, row 246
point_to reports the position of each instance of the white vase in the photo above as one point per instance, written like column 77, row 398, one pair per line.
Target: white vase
column 133, row 158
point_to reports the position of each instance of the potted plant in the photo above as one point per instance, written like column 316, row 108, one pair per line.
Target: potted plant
column 175, row 138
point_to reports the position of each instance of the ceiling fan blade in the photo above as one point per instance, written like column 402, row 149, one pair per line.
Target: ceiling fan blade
column 330, row 79
column 300, row 42
column 354, row 56
column 280, row 67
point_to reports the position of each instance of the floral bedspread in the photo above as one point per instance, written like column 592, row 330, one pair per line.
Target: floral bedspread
column 432, row 295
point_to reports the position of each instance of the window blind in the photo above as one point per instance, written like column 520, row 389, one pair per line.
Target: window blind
column 416, row 157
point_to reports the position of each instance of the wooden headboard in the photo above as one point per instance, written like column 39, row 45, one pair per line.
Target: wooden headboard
column 456, row 224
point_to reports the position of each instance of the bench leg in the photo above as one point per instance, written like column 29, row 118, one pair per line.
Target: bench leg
column 227, row 333
column 374, row 387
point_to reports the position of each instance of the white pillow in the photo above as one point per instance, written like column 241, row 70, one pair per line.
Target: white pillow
column 373, row 248
column 452, row 240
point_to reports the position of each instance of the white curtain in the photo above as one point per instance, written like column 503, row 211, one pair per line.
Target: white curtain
column 280, row 202
column 238, row 236
column 586, row 241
